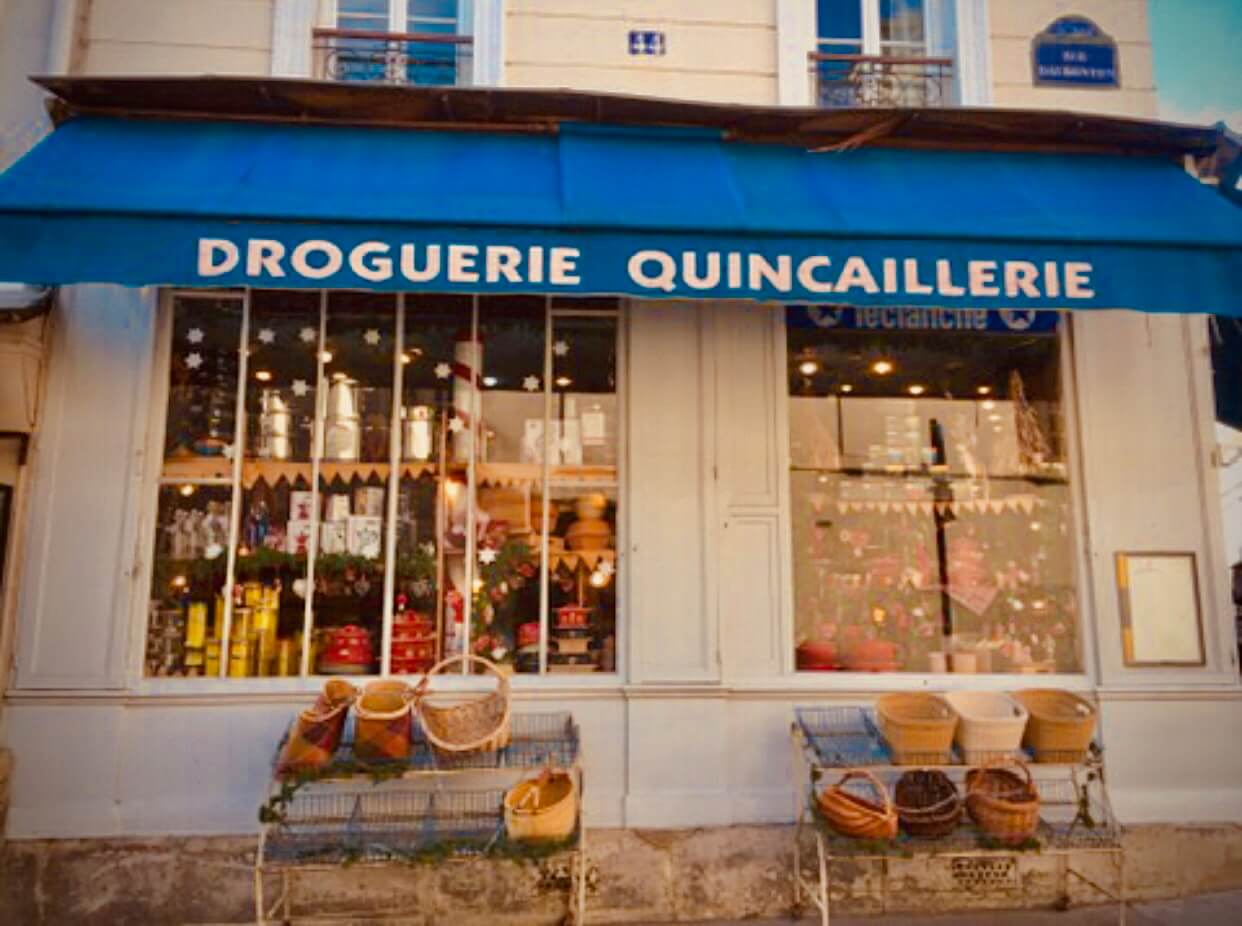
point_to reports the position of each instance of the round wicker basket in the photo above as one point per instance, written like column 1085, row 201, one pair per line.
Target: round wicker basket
column 459, row 727
column 1003, row 803
column 927, row 802
column 543, row 808
column 918, row 727
column 853, row 815
column 1061, row 725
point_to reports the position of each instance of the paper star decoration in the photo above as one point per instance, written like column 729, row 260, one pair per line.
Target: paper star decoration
column 560, row 348
column 487, row 556
column 443, row 371
column 300, row 387
column 456, row 425
column 213, row 550
column 531, row 384
column 194, row 335
column 194, row 360
column 227, row 451
column 605, row 568
column 266, row 336
column 308, row 334
column 372, row 336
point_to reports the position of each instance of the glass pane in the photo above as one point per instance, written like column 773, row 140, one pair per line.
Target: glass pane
column 348, row 601
column 839, row 19
column 901, row 21
column 931, row 509
column 194, row 505
column 509, row 479
column 277, row 507
column 428, row 612
column 582, row 546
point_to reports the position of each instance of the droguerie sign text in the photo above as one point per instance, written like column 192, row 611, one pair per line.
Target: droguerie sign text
column 641, row 271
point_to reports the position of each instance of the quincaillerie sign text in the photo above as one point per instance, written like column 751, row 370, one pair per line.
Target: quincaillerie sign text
column 865, row 272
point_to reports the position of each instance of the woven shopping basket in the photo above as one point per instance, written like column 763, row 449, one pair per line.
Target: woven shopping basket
column 316, row 731
column 382, row 722
column 1003, row 803
column 1061, row 725
column 927, row 802
column 918, row 727
column 851, row 814
column 465, row 723
column 543, row 808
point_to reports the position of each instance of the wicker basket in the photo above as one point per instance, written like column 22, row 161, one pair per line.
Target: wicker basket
column 989, row 724
column 316, row 731
column 1061, row 725
column 918, row 727
column 1003, row 803
column 542, row 809
column 927, row 802
column 480, row 724
column 382, row 722
column 852, row 815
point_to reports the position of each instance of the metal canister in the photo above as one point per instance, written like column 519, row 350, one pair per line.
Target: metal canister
column 416, row 432
column 271, row 597
column 275, row 426
column 217, row 617
column 240, row 659
column 342, row 427
column 195, row 626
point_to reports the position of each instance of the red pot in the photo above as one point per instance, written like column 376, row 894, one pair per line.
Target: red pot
column 348, row 649
column 572, row 616
column 872, row 656
column 817, row 655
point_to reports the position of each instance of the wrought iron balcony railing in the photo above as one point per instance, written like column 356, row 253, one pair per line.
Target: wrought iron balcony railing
column 873, row 80
column 424, row 58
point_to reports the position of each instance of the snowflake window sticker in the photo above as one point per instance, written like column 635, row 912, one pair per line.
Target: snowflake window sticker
column 194, row 335
column 300, row 387
column 487, row 556
column 267, row 336
column 372, row 336
column 561, row 348
column 308, row 334
column 443, row 370
column 456, row 425
column 531, row 384
column 194, row 360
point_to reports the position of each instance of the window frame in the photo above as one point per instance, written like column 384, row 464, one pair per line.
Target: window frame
column 870, row 42
column 1085, row 679
column 152, row 479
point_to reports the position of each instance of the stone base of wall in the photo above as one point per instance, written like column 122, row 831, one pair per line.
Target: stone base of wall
column 634, row 875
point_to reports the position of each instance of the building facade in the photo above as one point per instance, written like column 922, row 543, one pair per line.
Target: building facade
column 752, row 462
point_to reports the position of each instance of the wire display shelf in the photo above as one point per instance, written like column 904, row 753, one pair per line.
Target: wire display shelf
column 850, row 737
column 1075, row 815
column 427, row 808
column 538, row 740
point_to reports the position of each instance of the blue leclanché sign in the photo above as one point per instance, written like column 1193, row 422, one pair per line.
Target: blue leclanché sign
column 1074, row 52
column 893, row 318
column 647, row 43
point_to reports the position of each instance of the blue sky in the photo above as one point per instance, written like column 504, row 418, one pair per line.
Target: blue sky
column 1197, row 46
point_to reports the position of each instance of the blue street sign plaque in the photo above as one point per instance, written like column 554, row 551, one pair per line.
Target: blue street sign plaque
column 647, row 43
column 1073, row 52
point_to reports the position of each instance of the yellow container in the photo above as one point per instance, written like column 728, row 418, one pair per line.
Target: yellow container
column 241, row 660
column 286, row 657
column 264, row 621
column 266, row 650
column 271, row 597
column 196, row 625
column 217, row 617
column 243, row 624
column 252, row 593
column 212, row 659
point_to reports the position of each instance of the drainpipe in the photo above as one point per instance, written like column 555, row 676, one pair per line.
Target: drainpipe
column 62, row 35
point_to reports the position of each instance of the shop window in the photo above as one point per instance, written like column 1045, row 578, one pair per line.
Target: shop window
column 931, row 507
column 411, row 477
column 417, row 42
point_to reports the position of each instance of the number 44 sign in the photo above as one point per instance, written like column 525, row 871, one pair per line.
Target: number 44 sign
column 647, row 43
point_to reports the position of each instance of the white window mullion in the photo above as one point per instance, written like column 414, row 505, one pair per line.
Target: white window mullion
column 312, row 548
column 397, row 21
column 545, row 508
column 394, row 488
column 871, row 26
column 239, row 452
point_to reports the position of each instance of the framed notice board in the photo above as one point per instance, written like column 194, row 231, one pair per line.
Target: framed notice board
column 1161, row 623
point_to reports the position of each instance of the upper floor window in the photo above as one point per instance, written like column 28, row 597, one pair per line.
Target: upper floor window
column 882, row 53
column 426, row 42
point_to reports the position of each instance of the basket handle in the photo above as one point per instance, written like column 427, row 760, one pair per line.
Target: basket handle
column 1008, row 761
column 421, row 690
column 869, row 777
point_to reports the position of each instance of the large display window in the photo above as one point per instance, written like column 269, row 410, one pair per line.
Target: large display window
column 356, row 483
column 930, row 493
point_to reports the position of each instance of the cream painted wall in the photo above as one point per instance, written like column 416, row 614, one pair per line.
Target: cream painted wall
column 1012, row 26
column 177, row 37
column 1230, row 442
column 724, row 51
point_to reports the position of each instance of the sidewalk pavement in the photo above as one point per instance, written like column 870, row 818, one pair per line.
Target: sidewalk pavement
column 1223, row 909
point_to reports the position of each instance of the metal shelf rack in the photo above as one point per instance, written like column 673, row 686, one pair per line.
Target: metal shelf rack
column 1075, row 814
column 427, row 808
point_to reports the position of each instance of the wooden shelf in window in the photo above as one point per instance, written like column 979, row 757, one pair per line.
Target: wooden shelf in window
column 199, row 469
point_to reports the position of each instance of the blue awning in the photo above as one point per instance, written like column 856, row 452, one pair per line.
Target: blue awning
column 641, row 211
